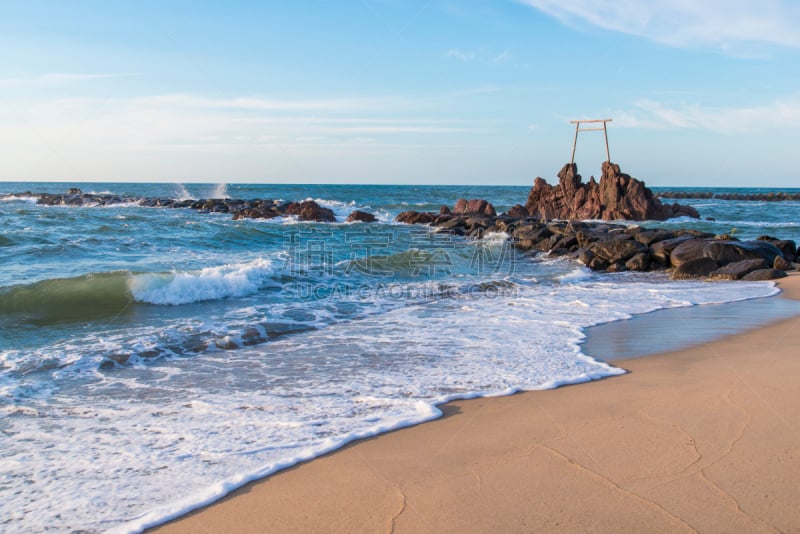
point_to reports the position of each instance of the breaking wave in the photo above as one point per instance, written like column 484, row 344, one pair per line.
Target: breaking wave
column 211, row 283
column 98, row 295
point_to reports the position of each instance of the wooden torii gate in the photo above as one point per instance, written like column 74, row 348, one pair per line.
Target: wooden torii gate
column 579, row 129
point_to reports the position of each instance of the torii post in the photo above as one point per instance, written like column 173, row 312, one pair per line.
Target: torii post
column 579, row 129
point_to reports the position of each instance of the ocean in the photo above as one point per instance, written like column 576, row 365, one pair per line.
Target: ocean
column 154, row 359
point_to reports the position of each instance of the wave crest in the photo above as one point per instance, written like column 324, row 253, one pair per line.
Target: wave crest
column 211, row 283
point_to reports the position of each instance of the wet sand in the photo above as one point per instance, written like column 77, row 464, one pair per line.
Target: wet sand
column 702, row 439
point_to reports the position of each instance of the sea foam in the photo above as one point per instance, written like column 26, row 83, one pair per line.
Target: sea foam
column 181, row 287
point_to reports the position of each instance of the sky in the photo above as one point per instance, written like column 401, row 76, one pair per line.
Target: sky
column 399, row 92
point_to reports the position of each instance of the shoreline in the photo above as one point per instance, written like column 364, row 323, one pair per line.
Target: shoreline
column 699, row 324
column 701, row 438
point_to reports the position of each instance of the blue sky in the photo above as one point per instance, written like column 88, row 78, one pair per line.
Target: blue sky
column 391, row 91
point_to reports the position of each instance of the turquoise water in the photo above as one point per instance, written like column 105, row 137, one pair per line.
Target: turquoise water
column 153, row 359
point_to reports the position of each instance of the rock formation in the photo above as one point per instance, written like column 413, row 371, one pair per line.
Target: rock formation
column 603, row 246
column 617, row 196
column 473, row 207
column 308, row 210
column 361, row 216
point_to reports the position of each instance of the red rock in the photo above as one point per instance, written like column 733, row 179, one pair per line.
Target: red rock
column 416, row 217
column 361, row 216
column 474, row 207
column 308, row 210
column 616, row 196
column 518, row 211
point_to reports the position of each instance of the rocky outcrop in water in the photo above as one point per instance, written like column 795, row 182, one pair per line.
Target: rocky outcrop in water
column 361, row 216
column 617, row 196
column 603, row 246
column 473, row 207
column 306, row 210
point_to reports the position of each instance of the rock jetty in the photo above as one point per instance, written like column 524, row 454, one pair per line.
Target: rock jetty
column 614, row 247
column 306, row 210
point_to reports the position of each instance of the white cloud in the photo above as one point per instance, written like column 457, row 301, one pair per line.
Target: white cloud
column 723, row 24
column 650, row 114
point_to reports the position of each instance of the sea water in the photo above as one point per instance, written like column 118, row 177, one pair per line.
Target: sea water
column 153, row 359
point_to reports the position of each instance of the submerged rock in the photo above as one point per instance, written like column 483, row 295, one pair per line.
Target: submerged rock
column 308, row 210
column 416, row 217
column 361, row 216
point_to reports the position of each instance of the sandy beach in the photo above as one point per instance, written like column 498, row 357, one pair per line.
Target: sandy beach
column 705, row 439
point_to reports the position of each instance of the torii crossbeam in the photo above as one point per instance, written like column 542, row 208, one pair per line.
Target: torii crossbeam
column 579, row 129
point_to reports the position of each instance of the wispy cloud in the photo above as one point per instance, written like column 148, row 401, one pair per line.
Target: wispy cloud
column 651, row 114
column 189, row 101
column 501, row 57
column 723, row 24
column 60, row 78
column 461, row 55
column 177, row 121
column 481, row 55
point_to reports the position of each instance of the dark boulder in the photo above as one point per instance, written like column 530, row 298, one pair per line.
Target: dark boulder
column 361, row 216
column 737, row 270
column 732, row 251
column 308, row 210
column 695, row 268
column 255, row 213
column 688, row 250
column 474, row 207
column 616, row 267
column 415, row 217
column 584, row 255
column 648, row 237
column 782, row 264
column 764, row 274
column 639, row 262
column 597, row 264
column 617, row 250
column 787, row 247
column 518, row 211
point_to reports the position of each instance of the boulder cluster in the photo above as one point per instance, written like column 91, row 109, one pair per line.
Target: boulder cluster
column 306, row 210
column 613, row 247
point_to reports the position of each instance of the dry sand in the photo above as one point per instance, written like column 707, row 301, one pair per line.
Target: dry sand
column 705, row 439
